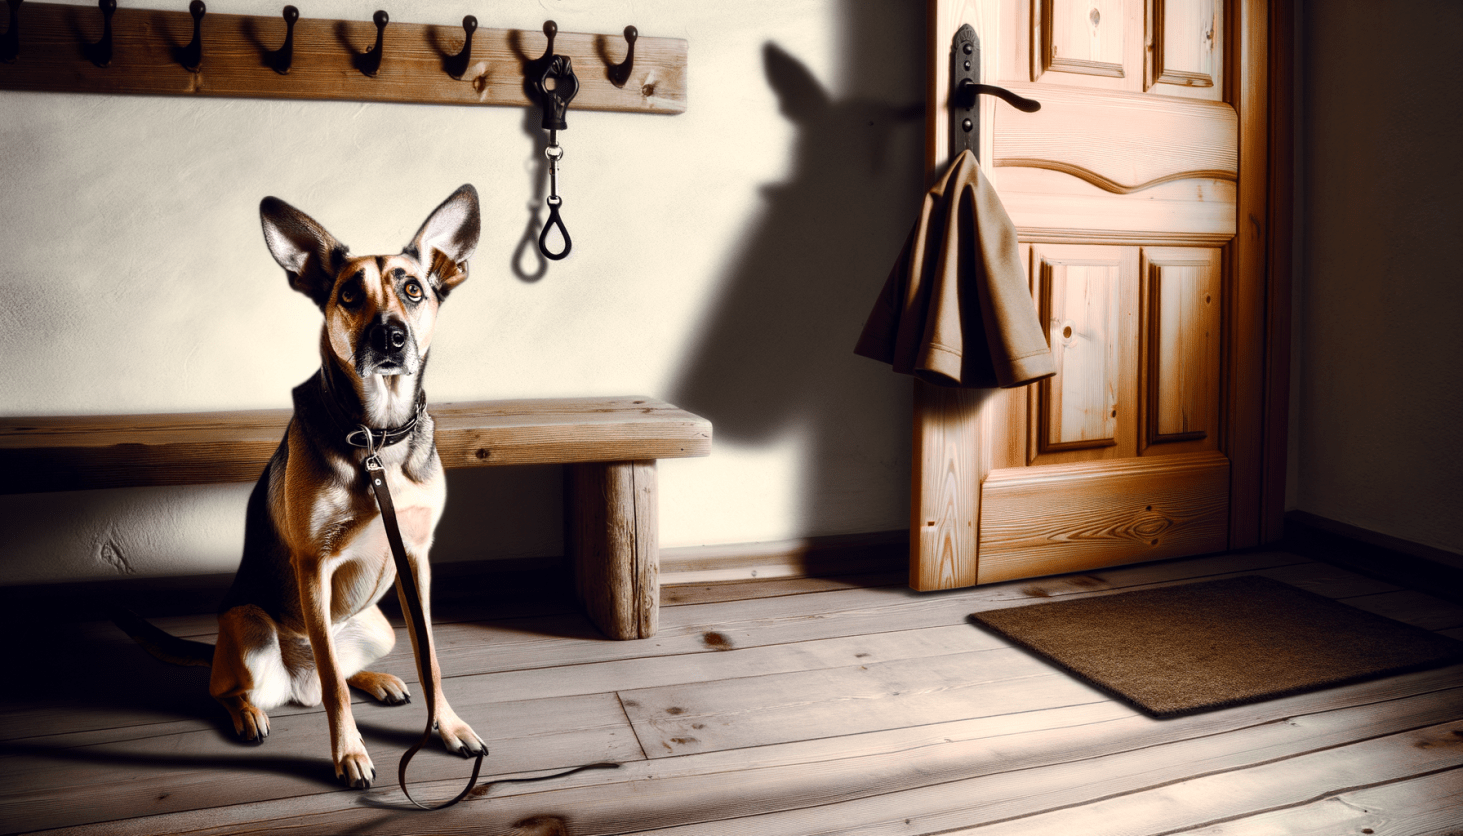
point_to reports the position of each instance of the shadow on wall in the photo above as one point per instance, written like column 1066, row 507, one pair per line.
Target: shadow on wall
column 776, row 355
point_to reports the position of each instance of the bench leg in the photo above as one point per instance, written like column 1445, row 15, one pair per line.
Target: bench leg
column 612, row 529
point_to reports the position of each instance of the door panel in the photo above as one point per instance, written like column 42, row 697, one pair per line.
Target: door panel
column 1124, row 191
column 1180, row 350
column 1080, row 37
column 1082, row 304
column 1084, row 43
column 1087, row 297
column 1183, row 56
column 1134, row 45
column 1083, row 516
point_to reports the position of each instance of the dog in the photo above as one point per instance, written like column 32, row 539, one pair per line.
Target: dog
column 300, row 621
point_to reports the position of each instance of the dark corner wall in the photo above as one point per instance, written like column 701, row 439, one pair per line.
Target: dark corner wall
column 1378, row 386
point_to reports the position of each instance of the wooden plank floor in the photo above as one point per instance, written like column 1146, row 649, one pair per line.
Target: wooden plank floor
column 790, row 708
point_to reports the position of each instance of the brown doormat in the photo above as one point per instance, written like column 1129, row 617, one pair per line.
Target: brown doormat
column 1200, row 646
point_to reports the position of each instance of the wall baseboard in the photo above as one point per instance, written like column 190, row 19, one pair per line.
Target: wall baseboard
column 804, row 557
column 1392, row 559
column 525, row 582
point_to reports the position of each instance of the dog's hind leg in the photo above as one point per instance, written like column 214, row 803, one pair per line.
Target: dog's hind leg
column 248, row 673
column 361, row 640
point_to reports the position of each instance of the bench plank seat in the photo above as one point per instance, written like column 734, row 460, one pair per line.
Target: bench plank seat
column 66, row 453
column 610, row 445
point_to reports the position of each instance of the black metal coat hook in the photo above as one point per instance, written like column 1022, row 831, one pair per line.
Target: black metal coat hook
column 965, row 91
column 191, row 56
column 100, row 53
column 280, row 59
column 551, row 31
column 10, row 44
column 369, row 62
column 457, row 65
column 534, row 67
column 620, row 73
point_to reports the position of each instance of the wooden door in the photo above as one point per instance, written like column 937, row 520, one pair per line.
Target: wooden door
column 1126, row 189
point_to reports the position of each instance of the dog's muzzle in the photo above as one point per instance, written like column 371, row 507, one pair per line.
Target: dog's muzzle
column 389, row 348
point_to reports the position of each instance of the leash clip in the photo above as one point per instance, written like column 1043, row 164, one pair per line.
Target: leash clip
column 373, row 446
column 554, row 152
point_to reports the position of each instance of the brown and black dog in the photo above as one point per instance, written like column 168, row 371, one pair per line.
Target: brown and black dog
column 301, row 621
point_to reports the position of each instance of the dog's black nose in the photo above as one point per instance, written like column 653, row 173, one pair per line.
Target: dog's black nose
column 387, row 335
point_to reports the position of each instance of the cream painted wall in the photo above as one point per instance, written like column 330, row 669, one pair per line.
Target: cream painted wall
column 724, row 259
column 1379, row 389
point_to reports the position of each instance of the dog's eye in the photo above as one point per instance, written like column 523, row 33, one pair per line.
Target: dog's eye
column 350, row 295
column 413, row 291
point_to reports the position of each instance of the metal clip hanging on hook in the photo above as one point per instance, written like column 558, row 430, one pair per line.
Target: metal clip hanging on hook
column 555, row 98
column 554, row 153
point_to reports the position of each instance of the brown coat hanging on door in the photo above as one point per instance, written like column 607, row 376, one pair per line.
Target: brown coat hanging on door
column 956, row 309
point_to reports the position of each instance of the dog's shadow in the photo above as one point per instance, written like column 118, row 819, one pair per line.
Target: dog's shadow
column 75, row 683
column 82, row 692
column 92, row 666
column 316, row 770
column 78, row 683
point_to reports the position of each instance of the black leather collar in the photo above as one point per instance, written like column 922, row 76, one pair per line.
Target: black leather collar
column 374, row 439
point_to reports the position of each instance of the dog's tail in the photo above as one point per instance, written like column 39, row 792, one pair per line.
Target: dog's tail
column 159, row 643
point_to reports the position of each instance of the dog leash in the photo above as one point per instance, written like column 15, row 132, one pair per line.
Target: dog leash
column 373, row 442
column 406, row 584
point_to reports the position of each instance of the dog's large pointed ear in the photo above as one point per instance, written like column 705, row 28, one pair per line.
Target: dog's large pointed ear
column 309, row 255
column 447, row 240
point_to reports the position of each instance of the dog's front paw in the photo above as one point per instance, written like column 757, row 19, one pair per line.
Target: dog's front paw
column 459, row 737
column 355, row 769
column 383, row 686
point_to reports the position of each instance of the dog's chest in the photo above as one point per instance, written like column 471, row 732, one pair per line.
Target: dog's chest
column 361, row 566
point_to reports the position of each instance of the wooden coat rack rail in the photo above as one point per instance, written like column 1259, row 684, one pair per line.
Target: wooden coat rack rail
column 236, row 57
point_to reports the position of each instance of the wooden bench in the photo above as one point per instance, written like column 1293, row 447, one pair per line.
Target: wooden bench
column 610, row 444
